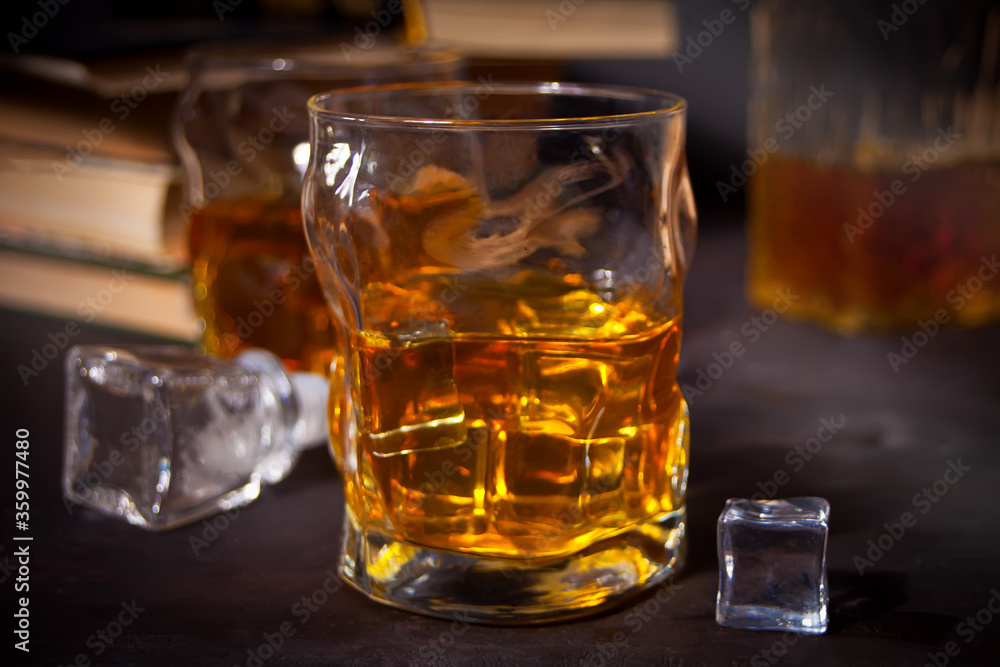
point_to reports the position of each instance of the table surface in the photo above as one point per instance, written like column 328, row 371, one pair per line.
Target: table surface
column 901, row 430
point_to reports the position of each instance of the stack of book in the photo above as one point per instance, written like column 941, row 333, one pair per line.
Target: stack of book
column 90, row 219
column 546, row 30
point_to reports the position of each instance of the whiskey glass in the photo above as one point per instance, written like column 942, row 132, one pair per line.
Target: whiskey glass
column 505, row 262
column 242, row 132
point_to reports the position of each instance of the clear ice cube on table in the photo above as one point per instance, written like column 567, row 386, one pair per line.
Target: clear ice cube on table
column 161, row 436
column 772, row 564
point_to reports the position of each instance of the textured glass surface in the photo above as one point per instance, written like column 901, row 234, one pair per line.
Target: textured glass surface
column 772, row 564
column 160, row 436
column 506, row 263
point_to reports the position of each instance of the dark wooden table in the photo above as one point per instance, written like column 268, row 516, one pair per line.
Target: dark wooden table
column 244, row 589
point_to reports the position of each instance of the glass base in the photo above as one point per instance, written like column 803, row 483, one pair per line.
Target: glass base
column 760, row 617
column 481, row 589
column 850, row 309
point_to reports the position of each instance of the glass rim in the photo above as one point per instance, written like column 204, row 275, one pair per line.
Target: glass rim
column 671, row 105
column 318, row 56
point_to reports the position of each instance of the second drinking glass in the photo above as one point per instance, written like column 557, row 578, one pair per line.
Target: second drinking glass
column 242, row 132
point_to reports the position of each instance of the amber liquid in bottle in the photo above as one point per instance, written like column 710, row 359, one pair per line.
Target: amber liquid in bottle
column 876, row 250
column 255, row 283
